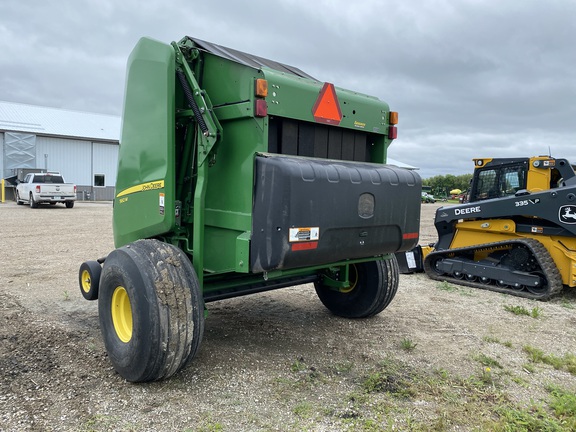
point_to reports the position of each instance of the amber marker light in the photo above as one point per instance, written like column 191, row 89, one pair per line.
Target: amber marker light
column 261, row 87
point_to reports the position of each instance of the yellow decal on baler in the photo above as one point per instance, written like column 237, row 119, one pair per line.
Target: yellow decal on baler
column 159, row 184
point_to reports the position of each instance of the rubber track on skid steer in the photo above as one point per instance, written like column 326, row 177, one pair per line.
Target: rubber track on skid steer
column 545, row 261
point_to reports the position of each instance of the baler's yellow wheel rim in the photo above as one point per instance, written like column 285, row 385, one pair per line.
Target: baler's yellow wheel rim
column 352, row 278
column 122, row 314
column 86, row 281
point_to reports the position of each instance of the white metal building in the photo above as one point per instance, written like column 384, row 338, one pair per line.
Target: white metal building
column 83, row 147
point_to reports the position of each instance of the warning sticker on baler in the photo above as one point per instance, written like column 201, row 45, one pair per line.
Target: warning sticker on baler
column 304, row 234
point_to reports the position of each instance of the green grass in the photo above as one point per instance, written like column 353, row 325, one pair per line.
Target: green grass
column 210, row 427
column 303, row 409
column 485, row 360
column 492, row 339
column 521, row 310
column 451, row 287
column 567, row 362
column 446, row 286
column 390, row 395
column 536, row 418
column 559, row 414
column 563, row 404
column 408, row 344
column 390, row 377
column 298, row 365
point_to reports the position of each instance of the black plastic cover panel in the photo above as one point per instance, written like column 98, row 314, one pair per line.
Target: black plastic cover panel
column 310, row 211
column 246, row 59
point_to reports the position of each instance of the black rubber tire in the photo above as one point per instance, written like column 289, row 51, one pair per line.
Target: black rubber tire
column 89, row 279
column 374, row 286
column 167, row 310
column 18, row 200
column 69, row 204
column 33, row 204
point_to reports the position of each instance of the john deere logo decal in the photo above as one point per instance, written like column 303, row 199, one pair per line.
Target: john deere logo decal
column 567, row 214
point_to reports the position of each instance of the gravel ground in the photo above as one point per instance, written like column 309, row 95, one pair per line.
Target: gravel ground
column 272, row 361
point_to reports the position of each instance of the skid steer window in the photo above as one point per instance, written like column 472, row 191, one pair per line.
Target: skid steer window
column 487, row 185
column 500, row 182
column 511, row 181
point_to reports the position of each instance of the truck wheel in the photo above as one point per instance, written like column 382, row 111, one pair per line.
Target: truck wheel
column 151, row 310
column 33, row 204
column 373, row 285
column 89, row 279
column 18, row 200
column 69, row 204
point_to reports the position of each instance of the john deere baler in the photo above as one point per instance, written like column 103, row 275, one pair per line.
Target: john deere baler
column 239, row 174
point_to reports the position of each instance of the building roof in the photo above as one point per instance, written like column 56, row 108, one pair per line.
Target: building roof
column 399, row 164
column 16, row 117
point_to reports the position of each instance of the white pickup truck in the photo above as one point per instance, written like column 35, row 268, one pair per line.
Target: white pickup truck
column 50, row 187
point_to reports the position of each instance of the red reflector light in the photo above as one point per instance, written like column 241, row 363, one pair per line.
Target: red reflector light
column 37, row 188
column 260, row 108
column 408, row 236
column 327, row 108
column 304, row 246
column 392, row 132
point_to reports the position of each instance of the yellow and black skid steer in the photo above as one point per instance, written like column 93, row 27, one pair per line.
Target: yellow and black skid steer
column 516, row 233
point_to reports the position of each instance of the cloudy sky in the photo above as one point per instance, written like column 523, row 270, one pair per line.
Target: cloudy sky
column 470, row 78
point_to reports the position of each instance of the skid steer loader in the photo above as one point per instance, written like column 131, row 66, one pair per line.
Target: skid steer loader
column 238, row 174
column 517, row 232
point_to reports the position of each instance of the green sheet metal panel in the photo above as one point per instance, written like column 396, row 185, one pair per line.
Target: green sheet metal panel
column 144, row 201
column 294, row 97
column 228, row 208
column 229, row 186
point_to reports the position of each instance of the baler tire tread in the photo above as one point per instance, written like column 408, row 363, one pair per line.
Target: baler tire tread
column 167, row 310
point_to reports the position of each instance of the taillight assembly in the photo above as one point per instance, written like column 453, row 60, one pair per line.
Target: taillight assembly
column 392, row 121
column 260, row 91
column 37, row 188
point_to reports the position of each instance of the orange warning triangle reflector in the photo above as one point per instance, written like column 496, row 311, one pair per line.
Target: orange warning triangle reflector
column 327, row 109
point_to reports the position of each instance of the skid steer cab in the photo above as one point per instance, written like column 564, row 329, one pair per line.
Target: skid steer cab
column 237, row 175
column 516, row 235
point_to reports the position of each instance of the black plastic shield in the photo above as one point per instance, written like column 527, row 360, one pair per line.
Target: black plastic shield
column 315, row 211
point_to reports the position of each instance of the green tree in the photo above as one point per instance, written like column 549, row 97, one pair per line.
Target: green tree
column 442, row 184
